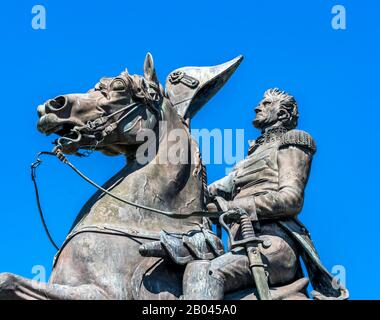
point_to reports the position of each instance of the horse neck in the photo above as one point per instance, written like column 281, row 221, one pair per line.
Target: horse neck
column 158, row 184
column 178, row 171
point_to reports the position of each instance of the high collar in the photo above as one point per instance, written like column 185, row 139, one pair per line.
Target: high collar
column 270, row 135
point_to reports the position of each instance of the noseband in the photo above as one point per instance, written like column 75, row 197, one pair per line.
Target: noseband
column 98, row 129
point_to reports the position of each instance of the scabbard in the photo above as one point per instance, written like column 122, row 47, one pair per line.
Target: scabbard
column 253, row 248
column 258, row 271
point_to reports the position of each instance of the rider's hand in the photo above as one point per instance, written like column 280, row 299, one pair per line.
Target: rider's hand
column 247, row 204
column 213, row 191
column 218, row 204
column 211, row 207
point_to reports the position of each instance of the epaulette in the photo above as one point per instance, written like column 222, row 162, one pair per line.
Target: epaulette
column 298, row 138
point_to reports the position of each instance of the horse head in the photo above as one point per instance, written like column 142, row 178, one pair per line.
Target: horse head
column 109, row 116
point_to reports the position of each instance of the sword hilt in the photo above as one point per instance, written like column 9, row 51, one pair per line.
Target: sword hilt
column 247, row 230
column 246, row 226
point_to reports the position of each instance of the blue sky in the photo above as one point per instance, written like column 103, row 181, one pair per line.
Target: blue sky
column 334, row 74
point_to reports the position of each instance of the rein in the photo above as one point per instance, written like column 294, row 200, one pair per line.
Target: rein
column 57, row 152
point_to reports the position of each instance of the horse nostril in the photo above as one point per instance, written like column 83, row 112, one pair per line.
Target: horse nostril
column 57, row 103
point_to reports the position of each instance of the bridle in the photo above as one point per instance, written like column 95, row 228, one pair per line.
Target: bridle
column 99, row 128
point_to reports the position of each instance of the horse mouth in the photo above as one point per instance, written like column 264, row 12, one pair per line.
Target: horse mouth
column 50, row 123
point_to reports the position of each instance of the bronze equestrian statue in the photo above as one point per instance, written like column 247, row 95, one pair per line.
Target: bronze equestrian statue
column 143, row 232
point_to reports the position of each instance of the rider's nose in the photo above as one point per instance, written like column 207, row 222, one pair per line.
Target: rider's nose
column 56, row 104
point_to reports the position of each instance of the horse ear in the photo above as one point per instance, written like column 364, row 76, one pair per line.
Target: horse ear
column 149, row 70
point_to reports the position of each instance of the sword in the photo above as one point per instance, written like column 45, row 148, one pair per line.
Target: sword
column 253, row 246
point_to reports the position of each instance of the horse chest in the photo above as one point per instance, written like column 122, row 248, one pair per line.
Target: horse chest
column 154, row 189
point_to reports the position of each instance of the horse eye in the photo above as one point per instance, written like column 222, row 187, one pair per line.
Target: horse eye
column 118, row 85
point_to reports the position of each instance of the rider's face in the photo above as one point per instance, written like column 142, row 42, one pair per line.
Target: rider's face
column 266, row 114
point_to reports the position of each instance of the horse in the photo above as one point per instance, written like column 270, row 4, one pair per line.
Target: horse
column 100, row 258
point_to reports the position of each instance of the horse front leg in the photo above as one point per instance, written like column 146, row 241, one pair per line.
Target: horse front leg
column 14, row 287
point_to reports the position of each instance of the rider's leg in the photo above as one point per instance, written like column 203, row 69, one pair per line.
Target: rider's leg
column 17, row 287
column 211, row 279
column 233, row 269
column 200, row 284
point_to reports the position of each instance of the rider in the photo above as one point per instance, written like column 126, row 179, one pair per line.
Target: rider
column 268, row 184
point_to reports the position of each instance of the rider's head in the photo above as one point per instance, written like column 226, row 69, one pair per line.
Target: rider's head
column 277, row 108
